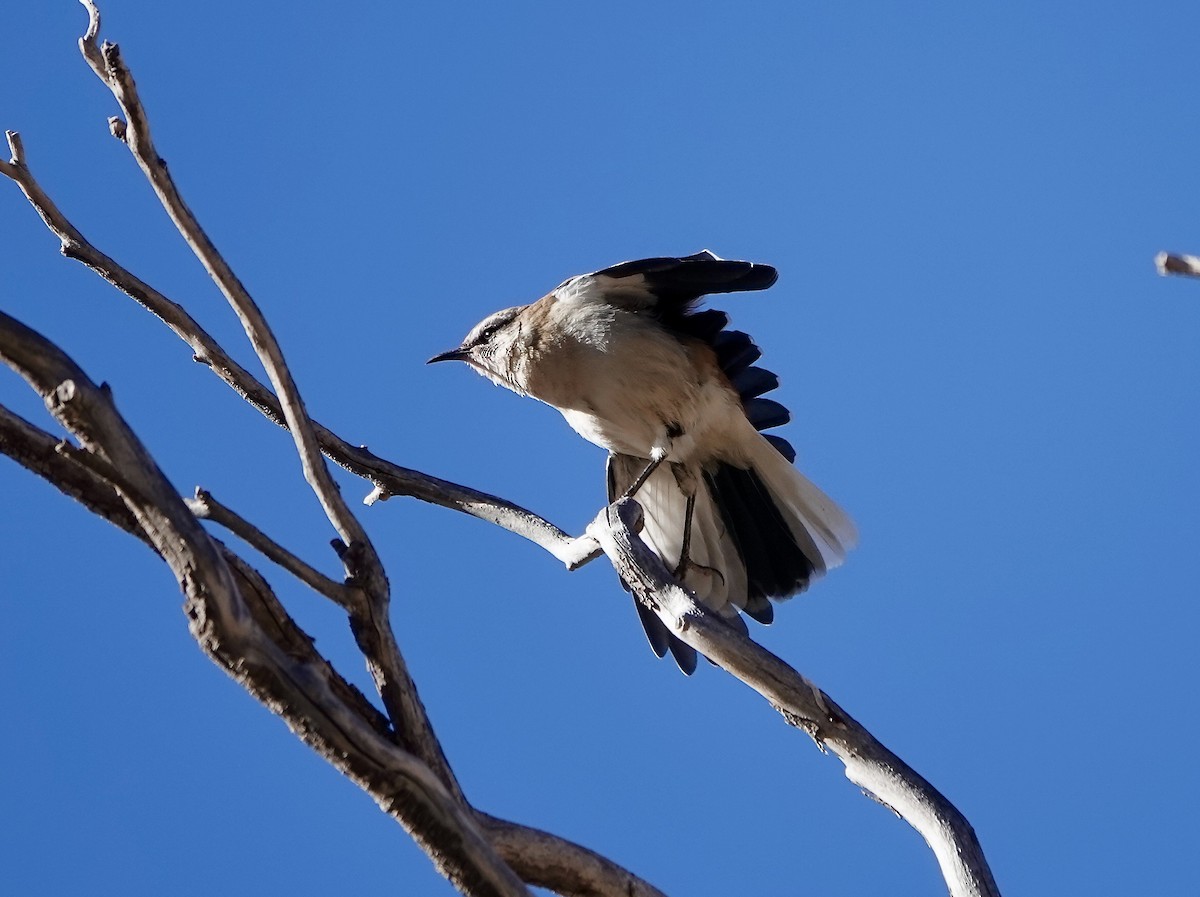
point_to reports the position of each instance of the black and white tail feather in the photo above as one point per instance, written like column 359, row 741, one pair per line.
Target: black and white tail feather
column 760, row 530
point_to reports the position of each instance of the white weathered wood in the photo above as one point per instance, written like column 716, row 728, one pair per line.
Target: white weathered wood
column 869, row 764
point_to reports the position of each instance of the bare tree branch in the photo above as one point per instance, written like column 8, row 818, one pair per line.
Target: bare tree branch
column 299, row 689
column 108, row 65
column 548, row 861
column 1169, row 263
column 36, row 450
column 868, row 763
column 539, row 858
column 206, row 507
column 370, row 626
column 370, row 621
column 388, row 478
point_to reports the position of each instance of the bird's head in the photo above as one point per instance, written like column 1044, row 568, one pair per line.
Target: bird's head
column 494, row 348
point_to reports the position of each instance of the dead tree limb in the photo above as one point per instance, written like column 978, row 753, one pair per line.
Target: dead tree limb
column 303, row 689
column 870, row 765
column 539, row 858
column 1185, row 265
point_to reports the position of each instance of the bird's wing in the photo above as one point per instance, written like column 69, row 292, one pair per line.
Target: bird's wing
column 668, row 287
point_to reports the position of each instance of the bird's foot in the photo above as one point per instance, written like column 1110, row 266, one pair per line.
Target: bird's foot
column 688, row 566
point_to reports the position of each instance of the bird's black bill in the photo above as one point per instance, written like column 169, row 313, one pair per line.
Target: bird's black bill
column 452, row 355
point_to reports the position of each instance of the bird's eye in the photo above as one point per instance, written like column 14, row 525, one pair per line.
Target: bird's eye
column 490, row 331
column 486, row 335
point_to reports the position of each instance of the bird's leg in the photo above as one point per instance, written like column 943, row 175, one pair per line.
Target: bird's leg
column 657, row 456
column 687, row 482
column 684, row 560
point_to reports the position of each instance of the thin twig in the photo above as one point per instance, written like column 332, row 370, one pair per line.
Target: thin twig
column 108, row 65
column 1169, row 263
column 204, row 506
column 16, row 147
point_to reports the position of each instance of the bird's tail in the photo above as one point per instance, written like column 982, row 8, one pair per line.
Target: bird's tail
column 787, row 531
column 760, row 530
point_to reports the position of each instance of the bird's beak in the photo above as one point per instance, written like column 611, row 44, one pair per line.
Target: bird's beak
column 459, row 354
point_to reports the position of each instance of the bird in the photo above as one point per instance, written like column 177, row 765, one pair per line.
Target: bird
column 637, row 368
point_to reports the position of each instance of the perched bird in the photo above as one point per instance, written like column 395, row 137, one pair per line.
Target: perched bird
column 635, row 368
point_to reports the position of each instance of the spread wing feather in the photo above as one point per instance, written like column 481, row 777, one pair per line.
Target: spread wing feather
column 758, row 533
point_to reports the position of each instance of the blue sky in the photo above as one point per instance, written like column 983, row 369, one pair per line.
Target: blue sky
column 963, row 202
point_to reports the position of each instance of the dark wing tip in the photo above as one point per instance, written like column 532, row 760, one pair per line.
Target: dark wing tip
column 695, row 275
column 657, row 633
column 747, row 275
column 684, row 654
column 766, row 413
column 782, row 446
column 703, row 325
column 663, row 640
column 735, row 351
column 760, row 609
column 752, row 382
column 638, row 266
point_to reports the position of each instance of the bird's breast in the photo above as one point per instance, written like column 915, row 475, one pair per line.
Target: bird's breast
column 625, row 384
